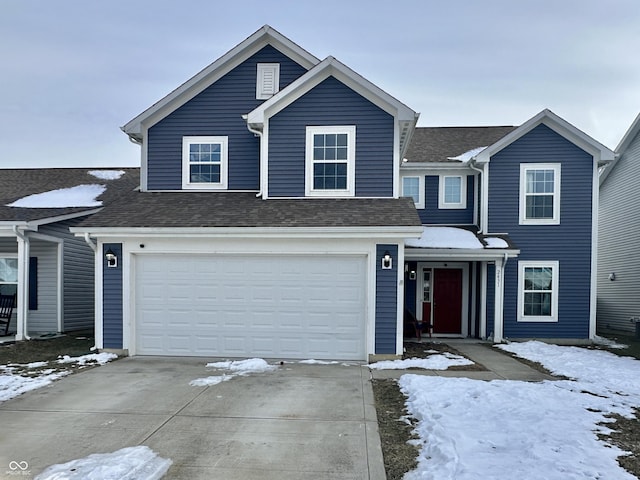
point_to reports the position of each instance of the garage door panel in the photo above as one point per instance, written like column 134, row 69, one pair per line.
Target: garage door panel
column 271, row 306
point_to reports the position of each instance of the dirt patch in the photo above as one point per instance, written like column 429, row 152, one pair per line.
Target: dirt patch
column 45, row 349
column 425, row 349
column 626, row 435
column 395, row 433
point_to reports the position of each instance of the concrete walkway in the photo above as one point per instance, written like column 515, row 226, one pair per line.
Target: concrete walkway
column 301, row 421
column 499, row 366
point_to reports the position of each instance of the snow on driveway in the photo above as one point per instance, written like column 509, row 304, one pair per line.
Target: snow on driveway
column 503, row 429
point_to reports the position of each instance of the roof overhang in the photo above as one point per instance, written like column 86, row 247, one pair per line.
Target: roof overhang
column 209, row 75
column 331, row 67
column 600, row 153
column 628, row 137
column 436, row 166
column 252, row 232
column 459, row 254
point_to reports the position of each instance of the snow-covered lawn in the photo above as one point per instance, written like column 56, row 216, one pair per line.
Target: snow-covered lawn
column 16, row 379
column 436, row 361
column 502, row 429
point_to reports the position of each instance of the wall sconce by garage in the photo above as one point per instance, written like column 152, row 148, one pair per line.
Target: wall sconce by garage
column 387, row 261
column 612, row 276
column 112, row 259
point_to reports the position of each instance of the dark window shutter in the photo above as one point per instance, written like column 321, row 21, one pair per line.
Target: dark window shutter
column 33, row 283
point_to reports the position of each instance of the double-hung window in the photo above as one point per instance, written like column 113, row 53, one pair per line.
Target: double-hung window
column 414, row 187
column 453, row 191
column 330, row 161
column 538, row 291
column 539, row 193
column 8, row 275
column 204, row 162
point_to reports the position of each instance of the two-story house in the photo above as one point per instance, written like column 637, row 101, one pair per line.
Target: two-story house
column 290, row 208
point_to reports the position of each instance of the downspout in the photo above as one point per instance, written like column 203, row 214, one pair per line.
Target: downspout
column 23, row 282
column 479, row 203
column 258, row 133
column 92, row 245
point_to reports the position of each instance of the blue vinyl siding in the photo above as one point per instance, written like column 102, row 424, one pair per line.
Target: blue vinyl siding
column 386, row 301
column 331, row 103
column 569, row 243
column 217, row 111
column 432, row 215
column 112, row 299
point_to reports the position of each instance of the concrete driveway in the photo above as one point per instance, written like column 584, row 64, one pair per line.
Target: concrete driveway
column 301, row 421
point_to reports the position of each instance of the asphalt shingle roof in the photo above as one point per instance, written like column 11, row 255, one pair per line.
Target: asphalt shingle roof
column 243, row 209
column 439, row 144
column 19, row 183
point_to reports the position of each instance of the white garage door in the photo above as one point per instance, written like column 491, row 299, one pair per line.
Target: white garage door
column 266, row 306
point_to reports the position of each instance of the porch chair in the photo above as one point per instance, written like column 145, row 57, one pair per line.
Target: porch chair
column 6, row 310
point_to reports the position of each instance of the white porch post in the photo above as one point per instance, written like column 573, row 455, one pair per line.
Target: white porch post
column 483, row 300
column 498, row 321
column 23, row 286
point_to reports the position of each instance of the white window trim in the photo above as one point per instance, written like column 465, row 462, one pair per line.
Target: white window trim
column 463, row 193
column 556, row 193
column 263, row 93
column 350, row 191
column 186, row 178
column 10, row 255
column 554, row 265
column 421, row 191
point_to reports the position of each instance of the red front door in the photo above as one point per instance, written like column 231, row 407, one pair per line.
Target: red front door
column 447, row 300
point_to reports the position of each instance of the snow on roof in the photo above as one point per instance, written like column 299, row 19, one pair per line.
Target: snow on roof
column 445, row 237
column 78, row 196
column 468, row 155
column 495, row 242
column 107, row 174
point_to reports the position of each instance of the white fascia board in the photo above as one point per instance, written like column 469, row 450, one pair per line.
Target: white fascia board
column 209, row 75
column 560, row 126
column 462, row 254
column 331, row 67
column 629, row 136
column 253, row 232
column 436, row 167
column 61, row 218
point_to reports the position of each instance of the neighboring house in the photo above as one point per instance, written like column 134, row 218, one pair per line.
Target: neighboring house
column 272, row 219
column 619, row 226
column 50, row 270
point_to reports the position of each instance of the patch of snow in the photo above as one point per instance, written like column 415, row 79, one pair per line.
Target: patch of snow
column 78, row 196
column 99, row 358
column 530, row 430
column 317, row 362
column 445, row 237
column 243, row 367
column 107, row 174
column 605, row 342
column 132, row 463
column 13, row 385
column 209, row 381
column 468, row 155
column 496, row 242
column 433, row 362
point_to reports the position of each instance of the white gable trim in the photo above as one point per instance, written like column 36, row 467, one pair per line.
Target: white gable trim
column 561, row 127
column 627, row 139
column 209, row 75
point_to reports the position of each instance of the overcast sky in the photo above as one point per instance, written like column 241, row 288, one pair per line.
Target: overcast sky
column 73, row 71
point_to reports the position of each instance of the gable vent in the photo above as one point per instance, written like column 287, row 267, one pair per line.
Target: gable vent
column 268, row 80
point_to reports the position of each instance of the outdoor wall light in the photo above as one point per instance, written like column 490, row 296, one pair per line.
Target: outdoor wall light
column 612, row 276
column 387, row 261
column 112, row 259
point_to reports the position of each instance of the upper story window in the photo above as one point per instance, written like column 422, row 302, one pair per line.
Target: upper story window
column 268, row 80
column 204, row 162
column 540, row 193
column 414, row 187
column 330, row 161
column 453, row 189
column 538, row 291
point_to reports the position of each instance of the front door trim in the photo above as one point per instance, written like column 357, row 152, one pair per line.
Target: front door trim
column 465, row 292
